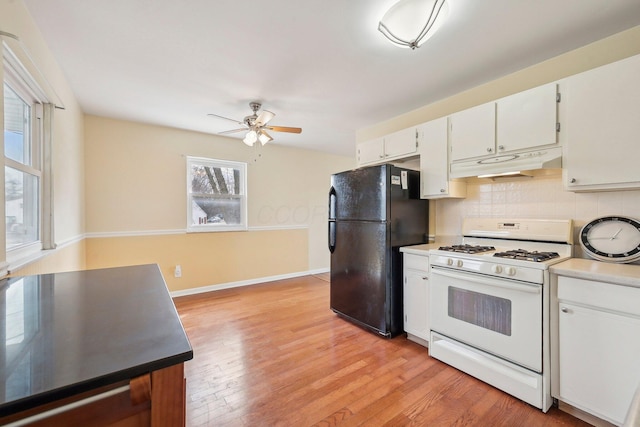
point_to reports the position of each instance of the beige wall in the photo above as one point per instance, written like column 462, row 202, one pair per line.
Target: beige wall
column 71, row 257
column 68, row 144
column 207, row 259
column 136, row 205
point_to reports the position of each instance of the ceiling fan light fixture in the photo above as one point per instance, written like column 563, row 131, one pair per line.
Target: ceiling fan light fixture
column 409, row 23
column 264, row 137
column 250, row 138
column 255, row 126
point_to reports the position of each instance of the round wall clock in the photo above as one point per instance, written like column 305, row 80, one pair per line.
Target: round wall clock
column 612, row 239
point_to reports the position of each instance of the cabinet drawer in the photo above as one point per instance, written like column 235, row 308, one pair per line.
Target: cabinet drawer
column 621, row 299
column 416, row 262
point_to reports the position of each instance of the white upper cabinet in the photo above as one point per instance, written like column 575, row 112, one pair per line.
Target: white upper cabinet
column 397, row 145
column 527, row 119
column 371, row 151
column 516, row 123
column 434, row 162
column 401, row 143
column 473, row 132
column 603, row 128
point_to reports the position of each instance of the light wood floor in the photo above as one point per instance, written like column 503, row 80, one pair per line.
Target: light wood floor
column 275, row 355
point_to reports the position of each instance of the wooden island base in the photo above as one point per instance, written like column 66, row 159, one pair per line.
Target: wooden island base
column 156, row 399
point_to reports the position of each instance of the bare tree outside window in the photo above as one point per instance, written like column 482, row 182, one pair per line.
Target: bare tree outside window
column 217, row 195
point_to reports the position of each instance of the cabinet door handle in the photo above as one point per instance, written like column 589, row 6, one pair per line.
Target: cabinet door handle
column 572, row 180
column 489, row 149
column 564, row 310
column 500, row 147
column 425, row 277
column 442, row 190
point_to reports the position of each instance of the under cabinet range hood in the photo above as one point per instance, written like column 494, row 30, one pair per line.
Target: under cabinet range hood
column 508, row 164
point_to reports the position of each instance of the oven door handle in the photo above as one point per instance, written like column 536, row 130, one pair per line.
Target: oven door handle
column 497, row 282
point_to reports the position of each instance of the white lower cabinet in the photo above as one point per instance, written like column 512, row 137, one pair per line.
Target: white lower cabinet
column 416, row 297
column 599, row 346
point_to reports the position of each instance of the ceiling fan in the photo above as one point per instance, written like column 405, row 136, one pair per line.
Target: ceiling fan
column 257, row 125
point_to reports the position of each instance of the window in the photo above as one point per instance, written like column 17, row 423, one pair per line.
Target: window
column 216, row 195
column 22, row 171
column 27, row 162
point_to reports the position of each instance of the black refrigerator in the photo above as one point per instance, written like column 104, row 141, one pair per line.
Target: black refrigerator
column 373, row 211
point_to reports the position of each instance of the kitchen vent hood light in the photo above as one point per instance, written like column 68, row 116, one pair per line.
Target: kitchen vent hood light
column 505, row 174
column 409, row 23
column 549, row 158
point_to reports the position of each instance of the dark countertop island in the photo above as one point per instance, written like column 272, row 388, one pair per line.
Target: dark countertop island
column 70, row 333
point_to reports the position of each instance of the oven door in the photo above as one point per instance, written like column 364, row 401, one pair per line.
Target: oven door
column 501, row 317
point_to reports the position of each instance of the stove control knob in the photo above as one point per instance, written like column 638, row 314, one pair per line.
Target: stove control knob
column 459, row 263
column 497, row 269
column 449, row 261
column 511, row 271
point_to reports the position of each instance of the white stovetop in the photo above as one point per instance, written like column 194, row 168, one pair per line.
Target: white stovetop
column 619, row 274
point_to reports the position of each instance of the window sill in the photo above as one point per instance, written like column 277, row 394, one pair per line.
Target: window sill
column 23, row 258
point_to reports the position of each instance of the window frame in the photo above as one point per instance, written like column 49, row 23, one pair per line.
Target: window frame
column 216, row 227
column 33, row 165
column 16, row 76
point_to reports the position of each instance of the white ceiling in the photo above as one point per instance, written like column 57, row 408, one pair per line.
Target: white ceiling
column 318, row 64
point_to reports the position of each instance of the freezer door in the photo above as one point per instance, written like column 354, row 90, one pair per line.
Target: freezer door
column 360, row 273
column 359, row 194
column 408, row 214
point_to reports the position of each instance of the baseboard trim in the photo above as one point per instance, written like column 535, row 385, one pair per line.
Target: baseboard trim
column 240, row 283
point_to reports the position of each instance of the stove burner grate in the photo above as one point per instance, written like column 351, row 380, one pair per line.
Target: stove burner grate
column 467, row 249
column 522, row 254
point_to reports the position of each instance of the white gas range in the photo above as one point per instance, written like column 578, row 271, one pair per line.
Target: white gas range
column 489, row 302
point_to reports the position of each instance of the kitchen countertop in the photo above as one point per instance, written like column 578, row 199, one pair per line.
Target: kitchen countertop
column 620, row 274
column 420, row 249
column 68, row 333
column 424, row 249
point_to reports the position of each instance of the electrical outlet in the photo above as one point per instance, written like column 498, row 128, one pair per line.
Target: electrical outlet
column 178, row 271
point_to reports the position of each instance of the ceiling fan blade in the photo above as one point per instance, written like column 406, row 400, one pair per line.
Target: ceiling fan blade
column 264, row 117
column 284, row 129
column 233, row 131
column 226, row 118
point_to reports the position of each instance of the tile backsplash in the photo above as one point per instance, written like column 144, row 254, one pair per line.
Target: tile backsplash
column 539, row 197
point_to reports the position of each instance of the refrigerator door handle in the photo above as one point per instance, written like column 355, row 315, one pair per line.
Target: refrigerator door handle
column 332, row 203
column 332, row 236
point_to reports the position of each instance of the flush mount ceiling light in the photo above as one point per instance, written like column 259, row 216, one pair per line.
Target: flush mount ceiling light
column 409, row 23
column 257, row 125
